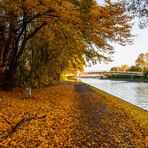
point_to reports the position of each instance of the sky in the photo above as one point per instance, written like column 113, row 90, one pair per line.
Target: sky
column 126, row 55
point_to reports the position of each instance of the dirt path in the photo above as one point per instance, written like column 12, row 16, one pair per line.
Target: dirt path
column 75, row 117
column 108, row 126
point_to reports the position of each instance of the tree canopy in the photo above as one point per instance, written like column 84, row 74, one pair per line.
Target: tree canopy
column 55, row 35
column 139, row 8
column 142, row 62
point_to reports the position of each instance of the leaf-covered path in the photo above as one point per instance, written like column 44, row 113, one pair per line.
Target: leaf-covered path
column 67, row 115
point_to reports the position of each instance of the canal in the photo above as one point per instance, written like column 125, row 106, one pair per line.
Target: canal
column 134, row 92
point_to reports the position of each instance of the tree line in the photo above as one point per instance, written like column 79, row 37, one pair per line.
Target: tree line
column 141, row 65
column 41, row 39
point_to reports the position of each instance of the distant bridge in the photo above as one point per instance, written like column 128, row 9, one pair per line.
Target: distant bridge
column 108, row 73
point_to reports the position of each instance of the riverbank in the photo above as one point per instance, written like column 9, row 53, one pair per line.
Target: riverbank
column 128, row 79
column 72, row 115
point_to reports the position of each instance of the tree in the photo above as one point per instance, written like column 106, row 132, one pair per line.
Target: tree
column 115, row 69
column 146, row 59
column 139, row 8
column 124, row 67
column 134, row 68
column 141, row 62
column 83, row 21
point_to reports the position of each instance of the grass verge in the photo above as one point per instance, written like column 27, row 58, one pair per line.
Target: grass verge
column 139, row 115
column 128, row 79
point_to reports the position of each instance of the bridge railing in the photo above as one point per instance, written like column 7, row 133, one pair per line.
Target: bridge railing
column 119, row 73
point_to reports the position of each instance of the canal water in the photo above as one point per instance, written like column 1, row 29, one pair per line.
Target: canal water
column 133, row 92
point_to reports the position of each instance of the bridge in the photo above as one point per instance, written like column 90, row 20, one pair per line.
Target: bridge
column 110, row 73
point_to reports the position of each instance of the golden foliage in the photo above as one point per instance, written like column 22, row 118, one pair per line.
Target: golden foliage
column 79, row 31
column 66, row 115
column 87, row 21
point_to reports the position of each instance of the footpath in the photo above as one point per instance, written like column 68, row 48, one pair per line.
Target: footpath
column 66, row 115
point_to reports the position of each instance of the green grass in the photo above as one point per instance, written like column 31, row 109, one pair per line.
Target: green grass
column 128, row 79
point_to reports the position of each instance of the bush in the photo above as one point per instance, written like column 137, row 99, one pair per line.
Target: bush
column 146, row 74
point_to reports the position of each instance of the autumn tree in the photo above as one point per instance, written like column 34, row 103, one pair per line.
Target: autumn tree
column 141, row 62
column 66, row 52
column 139, row 9
column 134, row 68
column 33, row 64
column 146, row 58
column 81, row 21
column 115, row 69
column 48, row 56
column 124, row 67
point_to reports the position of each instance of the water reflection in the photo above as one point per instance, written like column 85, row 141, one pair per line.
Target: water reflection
column 142, row 96
column 133, row 92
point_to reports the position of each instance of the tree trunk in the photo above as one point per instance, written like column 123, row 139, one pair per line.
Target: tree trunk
column 9, row 77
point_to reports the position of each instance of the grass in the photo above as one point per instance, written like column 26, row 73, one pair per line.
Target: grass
column 128, row 79
column 139, row 115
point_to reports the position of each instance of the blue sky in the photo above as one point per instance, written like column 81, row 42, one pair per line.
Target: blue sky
column 126, row 54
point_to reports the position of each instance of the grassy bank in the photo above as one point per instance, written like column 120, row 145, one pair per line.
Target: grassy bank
column 139, row 115
column 128, row 79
